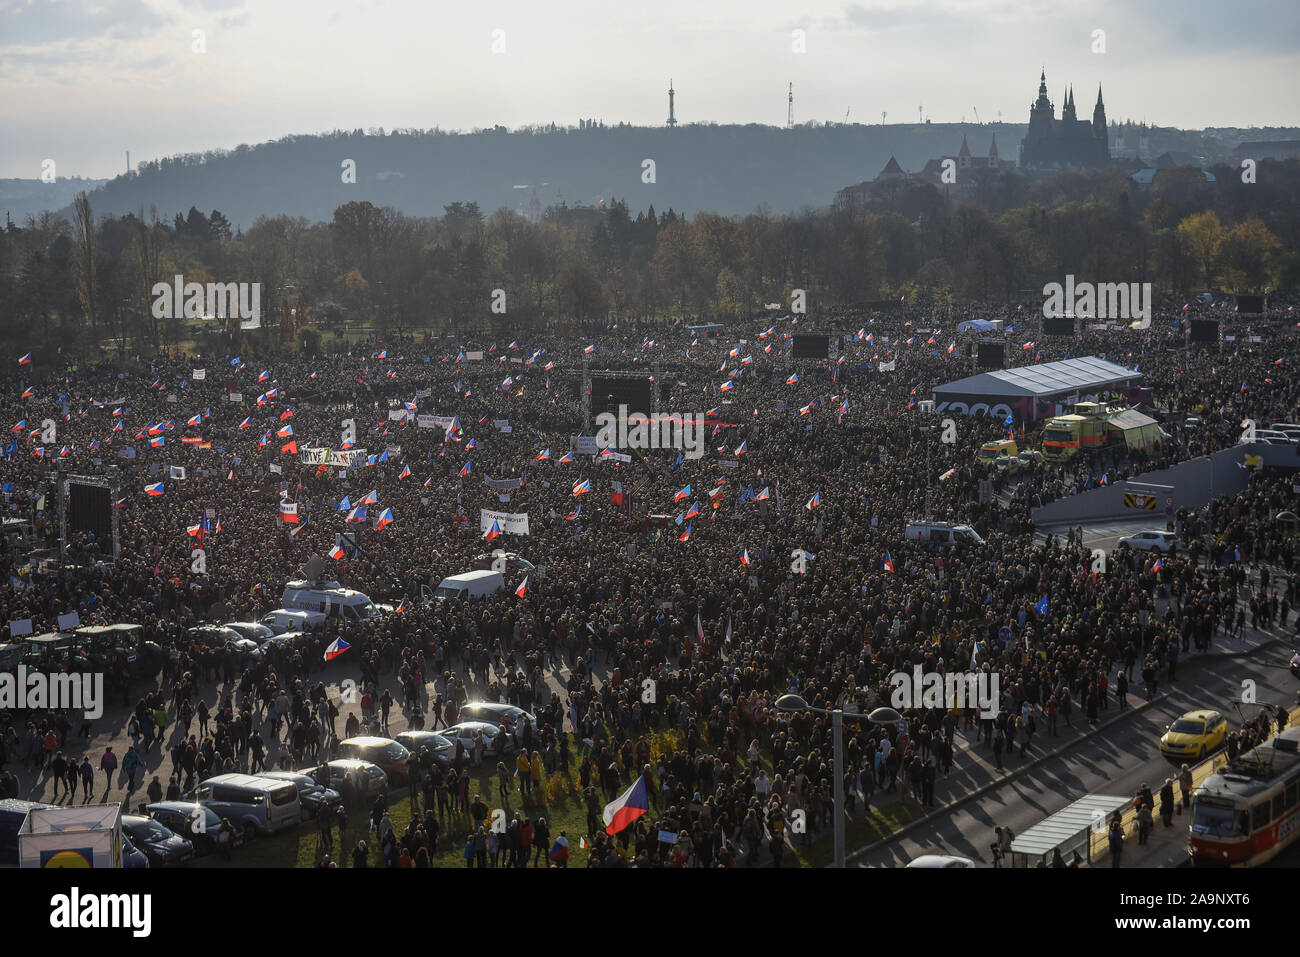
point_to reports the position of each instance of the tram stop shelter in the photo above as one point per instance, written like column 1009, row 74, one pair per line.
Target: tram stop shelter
column 1069, row 830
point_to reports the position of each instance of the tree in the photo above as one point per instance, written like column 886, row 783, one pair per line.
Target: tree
column 86, row 254
column 1204, row 234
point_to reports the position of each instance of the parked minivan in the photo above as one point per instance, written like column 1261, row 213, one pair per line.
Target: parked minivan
column 470, row 585
column 254, row 805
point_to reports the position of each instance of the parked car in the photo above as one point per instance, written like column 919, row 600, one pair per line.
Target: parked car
column 1150, row 541
column 253, row 804
column 311, row 793
column 442, row 748
column 214, row 636
column 464, row 733
column 941, row 860
column 131, row 856
column 162, row 846
column 183, row 818
column 384, row 752
column 252, row 630
column 356, row 780
column 494, row 711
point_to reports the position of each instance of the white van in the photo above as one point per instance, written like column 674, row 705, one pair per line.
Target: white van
column 330, row 599
column 943, row 533
column 470, row 585
column 292, row 619
column 257, row 806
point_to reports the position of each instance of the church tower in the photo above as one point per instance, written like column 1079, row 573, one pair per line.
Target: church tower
column 1099, row 117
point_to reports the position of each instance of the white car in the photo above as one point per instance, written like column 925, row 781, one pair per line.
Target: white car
column 941, row 860
column 464, row 732
column 1151, row 541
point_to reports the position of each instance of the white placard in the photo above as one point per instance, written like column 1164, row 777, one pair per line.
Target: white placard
column 512, row 523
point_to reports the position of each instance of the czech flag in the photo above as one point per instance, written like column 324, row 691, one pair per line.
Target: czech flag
column 285, row 432
column 744, row 557
column 157, row 443
column 264, row 376
column 567, row 459
column 727, row 386
column 358, row 514
column 337, row 553
column 195, row 420
column 793, row 380
column 744, row 447
column 543, row 456
column 246, row 423
column 560, row 849
column 467, row 468
column 684, row 493
column 336, row 648
column 154, row 490
column 692, row 511
column 523, row 587
column 627, row 807
column 492, row 532
column 25, row 360
column 385, row 518
column 28, row 393
column 574, row 514
column 889, row 563
column 581, row 487
column 587, row 351
column 685, row 535
column 406, row 471
column 814, row 502
column 1160, row 563
column 371, row 498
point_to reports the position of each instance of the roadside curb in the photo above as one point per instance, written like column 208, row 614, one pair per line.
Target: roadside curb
column 998, row 782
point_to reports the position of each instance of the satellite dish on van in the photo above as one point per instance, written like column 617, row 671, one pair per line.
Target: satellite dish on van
column 313, row 568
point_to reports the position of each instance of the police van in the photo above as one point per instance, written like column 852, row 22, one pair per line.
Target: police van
column 942, row 533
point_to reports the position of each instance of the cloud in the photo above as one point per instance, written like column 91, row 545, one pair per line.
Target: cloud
column 28, row 26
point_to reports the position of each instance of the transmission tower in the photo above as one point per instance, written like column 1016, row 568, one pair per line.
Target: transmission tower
column 789, row 112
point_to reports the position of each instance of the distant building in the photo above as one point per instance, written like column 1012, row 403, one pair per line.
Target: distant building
column 1068, row 143
column 1266, row 149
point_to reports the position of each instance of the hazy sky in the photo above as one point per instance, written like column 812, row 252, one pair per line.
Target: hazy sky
column 82, row 81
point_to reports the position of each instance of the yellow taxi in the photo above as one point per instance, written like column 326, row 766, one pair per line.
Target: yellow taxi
column 1195, row 735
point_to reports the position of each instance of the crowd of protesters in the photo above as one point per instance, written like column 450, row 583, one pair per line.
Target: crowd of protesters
column 617, row 606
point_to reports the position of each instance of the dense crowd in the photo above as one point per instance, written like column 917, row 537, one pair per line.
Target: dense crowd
column 620, row 597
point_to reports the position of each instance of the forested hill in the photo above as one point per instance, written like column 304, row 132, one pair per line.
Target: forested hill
column 724, row 169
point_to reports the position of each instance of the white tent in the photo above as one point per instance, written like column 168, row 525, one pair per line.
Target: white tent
column 89, row 836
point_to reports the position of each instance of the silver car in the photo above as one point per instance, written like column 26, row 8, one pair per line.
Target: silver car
column 1150, row 541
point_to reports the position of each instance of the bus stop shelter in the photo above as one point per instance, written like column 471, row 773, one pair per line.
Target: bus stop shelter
column 1069, row 830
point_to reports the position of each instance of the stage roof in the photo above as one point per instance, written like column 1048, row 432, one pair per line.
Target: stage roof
column 1084, row 374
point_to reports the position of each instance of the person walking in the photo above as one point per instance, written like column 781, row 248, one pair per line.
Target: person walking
column 1167, row 802
column 108, row 764
column 1185, row 785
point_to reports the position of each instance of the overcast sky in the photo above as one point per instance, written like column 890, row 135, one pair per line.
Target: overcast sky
column 82, row 81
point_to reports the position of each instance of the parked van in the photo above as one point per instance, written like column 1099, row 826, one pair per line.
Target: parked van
column 330, row 598
column 254, row 805
column 284, row 620
column 470, row 585
column 944, row 533
column 12, row 814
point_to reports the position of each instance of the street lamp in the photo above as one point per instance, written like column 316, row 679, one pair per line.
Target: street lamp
column 793, row 702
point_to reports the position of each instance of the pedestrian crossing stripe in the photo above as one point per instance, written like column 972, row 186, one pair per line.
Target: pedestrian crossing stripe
column 1133, row 500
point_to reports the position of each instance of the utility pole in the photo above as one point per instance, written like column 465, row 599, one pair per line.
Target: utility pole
column 789, row 112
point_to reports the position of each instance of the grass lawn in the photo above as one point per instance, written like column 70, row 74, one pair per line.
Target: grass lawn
column 563, row 810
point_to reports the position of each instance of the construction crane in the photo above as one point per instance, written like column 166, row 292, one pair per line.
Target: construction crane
column 977, row 116
column 919, row 117
column 846, row 116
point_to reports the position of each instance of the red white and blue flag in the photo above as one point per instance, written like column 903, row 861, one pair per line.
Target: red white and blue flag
column 627, row 807
column 336, row 648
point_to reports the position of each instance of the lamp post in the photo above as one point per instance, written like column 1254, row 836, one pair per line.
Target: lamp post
column 793, row 702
